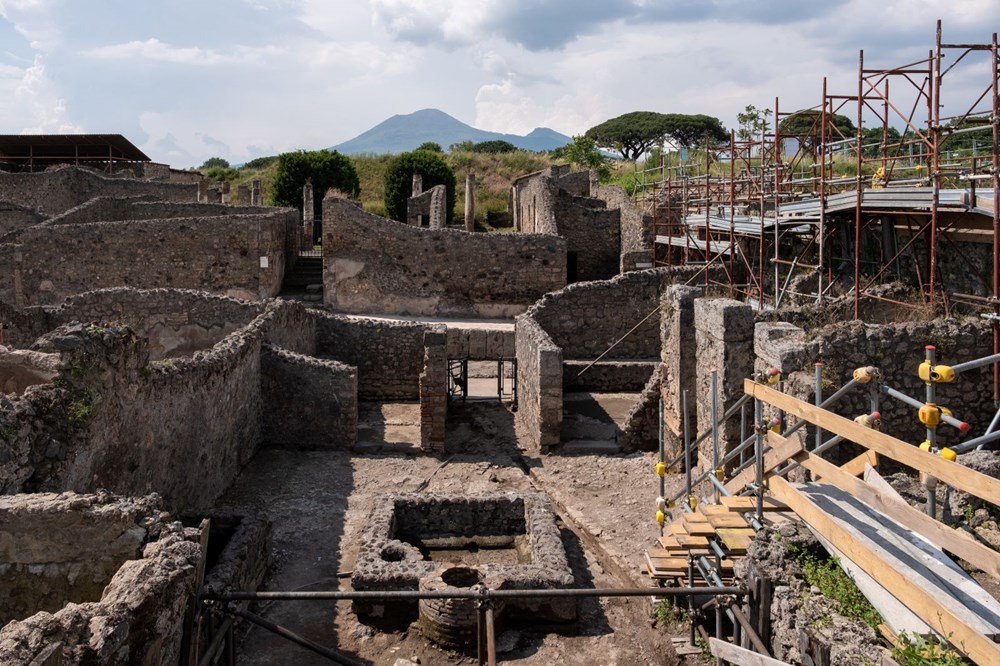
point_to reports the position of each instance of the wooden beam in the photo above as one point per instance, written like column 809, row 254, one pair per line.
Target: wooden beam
column 954, row 541
column 965, row 639
column 734, row 654
column 856, row 466
column 781, row 450
column 954, row 474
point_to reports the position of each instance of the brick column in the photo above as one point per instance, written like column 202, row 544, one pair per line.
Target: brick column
column 434, row 390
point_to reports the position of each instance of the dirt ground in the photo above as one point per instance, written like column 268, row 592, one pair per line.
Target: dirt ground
column 319, row 501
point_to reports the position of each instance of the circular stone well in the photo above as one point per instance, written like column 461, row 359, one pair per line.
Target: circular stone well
column 453, row 622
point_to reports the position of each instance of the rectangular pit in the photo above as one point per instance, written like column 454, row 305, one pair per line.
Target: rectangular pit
column 511, row 539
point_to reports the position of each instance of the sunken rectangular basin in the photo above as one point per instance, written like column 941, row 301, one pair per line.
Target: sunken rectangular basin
column 510, row 540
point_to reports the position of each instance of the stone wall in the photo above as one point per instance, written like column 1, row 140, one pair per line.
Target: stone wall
column 144, row 207
column 57, row 190
column 636, row 228
column 373, row 265
column 539, row 384
column 220, row 254
column 308, row 403
column 9, row 286
column 480, row 344
column 641, row 432
column 593, row 236
column 389, row 355
column 897, row 350
column 587, row 318
column 13, row 218
column 607, row 376
column 182, row 427
column 533, row 201
column 139, row 616
column 724, row 341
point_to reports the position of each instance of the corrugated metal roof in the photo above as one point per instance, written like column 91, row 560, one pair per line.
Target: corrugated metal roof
column 55, row 148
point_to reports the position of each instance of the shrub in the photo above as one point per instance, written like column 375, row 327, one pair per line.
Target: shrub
column 325, row 168
column 430, row 146
column 495, row 146
column 399, row 181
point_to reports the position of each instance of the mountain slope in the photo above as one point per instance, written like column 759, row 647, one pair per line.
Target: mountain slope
column 405, row 132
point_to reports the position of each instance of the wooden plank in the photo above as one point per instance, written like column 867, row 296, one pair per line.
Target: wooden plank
column 952, row 473
column 727, row 520
column 713, row 510
column 778, row 454
column 701, row 529
column 734, row 654
column 669, row 542
column 695, row 516
column 748, row 504
column 954, row 541
column 856, row 466
column 971, row 643
column 736, row 539
column 677, row 528
column 691, row 541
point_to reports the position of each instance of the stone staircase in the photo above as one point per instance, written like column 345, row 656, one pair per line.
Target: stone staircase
column 305, row 282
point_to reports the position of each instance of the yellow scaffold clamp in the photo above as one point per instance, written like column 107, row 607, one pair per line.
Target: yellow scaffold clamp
column 661, row 468
column 769, row 376
column 867, row 374
column 944, row 452
column 930, row 414
column 692, row 502
column 661, row 517
column 878, row 179
column 937, row 374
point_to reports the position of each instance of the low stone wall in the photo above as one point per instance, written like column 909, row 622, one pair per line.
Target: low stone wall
column 539, row 384
column 607, row 376
column 373, row 265
column 308, row 403
column 140, row 559
column 389, row 355
column 641, row 432
column 587, row 318
column 57, row 190
column 480, row 344
column 145, row 207
column 219, row 254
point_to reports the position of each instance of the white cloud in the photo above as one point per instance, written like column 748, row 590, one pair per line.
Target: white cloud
column 155, row 50
column 31, row 105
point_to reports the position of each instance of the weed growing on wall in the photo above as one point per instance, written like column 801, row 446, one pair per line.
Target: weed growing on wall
column 825, row 573
column 919, row 651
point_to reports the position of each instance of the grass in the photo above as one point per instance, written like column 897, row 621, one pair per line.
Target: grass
column 825, row 573
column 919, row 651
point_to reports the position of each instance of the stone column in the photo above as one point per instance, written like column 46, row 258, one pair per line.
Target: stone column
column 256, row 199
column 679, row 363
column 434, row 390
column 439, row 200
column 308, row 212
column 416, row 190
column 470, row 202
column 724, row 331
column 202, row 191
column 225, row 191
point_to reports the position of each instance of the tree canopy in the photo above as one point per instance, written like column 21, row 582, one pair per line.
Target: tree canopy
column 635, row 133
column 495, row 146
column 215, row 162
column 325, row 168
column 399, row 181
column 806, row 126
column 432, row 146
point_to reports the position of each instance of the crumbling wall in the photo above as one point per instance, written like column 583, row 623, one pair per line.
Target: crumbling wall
column 389, row 355
column 145, row 207
column 532, row 201
column 374, row 265
column 57, row 549
column 182, row 427
column 308, row 403
column 641, row 432
column 139, row 617
column 636, row 228
column 220, row 254
column 57, row 190
column 539, row 384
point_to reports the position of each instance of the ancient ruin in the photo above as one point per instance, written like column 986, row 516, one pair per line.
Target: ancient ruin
column 631, row 422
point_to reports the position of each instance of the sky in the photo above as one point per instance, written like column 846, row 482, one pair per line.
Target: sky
column 186, row 80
